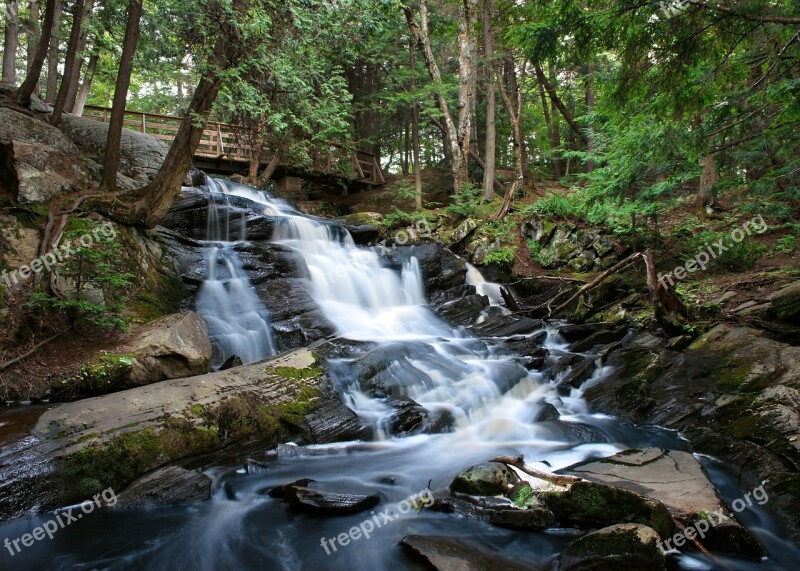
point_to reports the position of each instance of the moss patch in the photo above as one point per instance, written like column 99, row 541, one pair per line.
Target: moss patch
column 293, row 373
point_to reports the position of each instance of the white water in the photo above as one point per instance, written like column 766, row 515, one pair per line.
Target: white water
column 491, row 399
column 238, row 321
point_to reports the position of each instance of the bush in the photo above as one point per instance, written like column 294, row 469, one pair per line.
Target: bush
column 503, row 256
column 466, row 204
column 738, row 255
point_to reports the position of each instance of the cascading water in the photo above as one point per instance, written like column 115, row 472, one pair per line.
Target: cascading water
column 490, row 399
column 238, row 321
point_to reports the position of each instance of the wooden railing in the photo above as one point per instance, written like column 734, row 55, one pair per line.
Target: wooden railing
column 226, row 142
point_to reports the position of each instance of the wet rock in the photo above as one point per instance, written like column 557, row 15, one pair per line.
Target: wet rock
column 546, row 413
column 601, row 337
column 506, row 326
column 463, row 311
column 577, row 332
column 454, row 554
column 232, row 362
column 486, row 479
column 678, row 481
column 623, row 546
column 326, row 497
column 535, row 518
column 167, row 486
column 363, row 234
column 409, row 416
column 729, row 393
column 591, row 504
column 577, row 375
column 441, row 269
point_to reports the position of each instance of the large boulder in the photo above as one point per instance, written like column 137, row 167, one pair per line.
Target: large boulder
column 623, row 546
column 678, row 481
column 166, row 486
column 172, row 347
column 326, row 497
column 441, row 269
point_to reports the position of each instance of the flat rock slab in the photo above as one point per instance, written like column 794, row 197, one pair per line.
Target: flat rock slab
column 326, row 497
column 677, row 480
column 167, row 486
column 453, row 554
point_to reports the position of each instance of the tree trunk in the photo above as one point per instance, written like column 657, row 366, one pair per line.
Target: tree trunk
column 111, row 163
column 491, row 104
column 555, row 141
column 75, row 78
column 551, row 92
column 10, row 42
column 553, row 149
column 28, row 86
column 154, row 201
column 33, row 32
column 52, row 58
column 708, row 179
column 515, row 114
column 415, row 129
column 269, row 170
column 457, row 139
column 88, row 77
column 589, row 108
column 71, row 63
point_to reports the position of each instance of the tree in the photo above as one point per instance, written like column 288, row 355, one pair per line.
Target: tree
column 52, row 58
column 10, row 42
column 32, row 80
column 110, row 164
column 491, row 104
column 71, row 61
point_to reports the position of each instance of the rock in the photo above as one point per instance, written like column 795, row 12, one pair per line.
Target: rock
column 40, row 172
column 481, row 249
column 540, row 231
column 453, row 554
column 409, row 416
column 363, row 218
column 111, row 440
column 678, row 481
column 730, row 393
column 166, row 486
column 785, row 304
column 577, row 375
column 461, row 232
column 327, row 497
column 623, row 546
column 535, row 518
column 487, row 479
column 591, row 504
column 546, row 413
column 506, row 326
column 441, row 269
column 463, row 311
column 173, row 347
column 232, row 362
column 364, row 234
column 602, row 337
column 141, row 155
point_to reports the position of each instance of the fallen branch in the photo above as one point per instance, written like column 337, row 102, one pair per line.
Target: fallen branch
column 597, row 281
column 697, row 543
column 519, row 463
column 12, row 362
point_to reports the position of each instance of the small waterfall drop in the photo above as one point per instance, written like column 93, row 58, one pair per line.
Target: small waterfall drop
column 238, row 321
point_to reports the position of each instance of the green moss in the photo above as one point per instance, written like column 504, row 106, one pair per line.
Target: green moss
column 108, row 373
column 197, row 410
column 161, row 296
column 311, row 372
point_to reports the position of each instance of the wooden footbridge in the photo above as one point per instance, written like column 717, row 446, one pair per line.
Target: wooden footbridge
column 224, row 150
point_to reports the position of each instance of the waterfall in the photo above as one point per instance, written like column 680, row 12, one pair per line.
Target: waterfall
column 238, row 321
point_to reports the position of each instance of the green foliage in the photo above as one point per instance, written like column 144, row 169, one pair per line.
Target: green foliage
column 788, row 244
column 554, row 206
column 466, row 204
column 97, row 277
column 502, row 256
column 738, row 256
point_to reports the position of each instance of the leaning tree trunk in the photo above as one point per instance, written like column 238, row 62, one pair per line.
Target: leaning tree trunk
column 10, row 42
column 111, row 163
column 71, row 63
column 553, row 94
column 32, row 80
column 75, row 78
column 52, row 58
column 33, row 33
column 88, row 77
column 515, row 113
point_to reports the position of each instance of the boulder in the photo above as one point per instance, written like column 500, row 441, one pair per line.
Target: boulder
column 326, row 498
column 441, row 269
column 172, row 347
column 785, row 304
column 622, row 546
column 463, row 230
column 363, row 234
column 453, row 554
column 41, row 172
column 166, row 486
column 678, row 481
column 488, row 479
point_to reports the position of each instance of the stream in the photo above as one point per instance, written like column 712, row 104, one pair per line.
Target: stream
column 488, row 399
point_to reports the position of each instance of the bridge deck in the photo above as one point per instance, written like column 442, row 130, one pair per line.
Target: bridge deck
column 223, row 147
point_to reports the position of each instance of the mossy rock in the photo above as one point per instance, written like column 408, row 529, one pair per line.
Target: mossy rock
column 489, row 479
column 625, row 546
column 590, row 504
